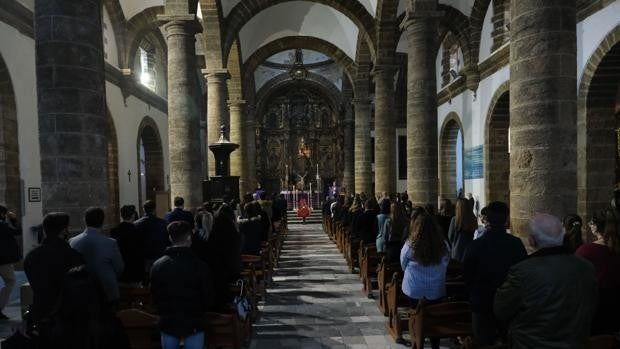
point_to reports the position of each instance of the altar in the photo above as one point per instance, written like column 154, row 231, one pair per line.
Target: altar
column 299, row 142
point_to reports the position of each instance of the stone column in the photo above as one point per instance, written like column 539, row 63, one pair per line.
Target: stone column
column 237, row 135
column 183, row 109
column 362, row 147
column 349, row 154
column 249, row 156
column 71, row 107
column 217, row 108
column 385, row 130
column 543, row 132
column 422, row 178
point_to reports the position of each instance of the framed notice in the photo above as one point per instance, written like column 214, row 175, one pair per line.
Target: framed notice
column 34, row 194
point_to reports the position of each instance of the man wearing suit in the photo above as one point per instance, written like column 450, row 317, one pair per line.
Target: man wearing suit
column 100, row 252
column 154, row 231
column 179, row 214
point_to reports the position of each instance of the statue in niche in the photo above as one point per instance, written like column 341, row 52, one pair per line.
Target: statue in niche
column 325, row 117
column 273, row 116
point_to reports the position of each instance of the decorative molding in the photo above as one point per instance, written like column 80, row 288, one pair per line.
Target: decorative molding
column 496, row 61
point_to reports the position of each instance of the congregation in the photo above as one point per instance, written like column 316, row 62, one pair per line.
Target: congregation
column 559, row 296
column 188, row 262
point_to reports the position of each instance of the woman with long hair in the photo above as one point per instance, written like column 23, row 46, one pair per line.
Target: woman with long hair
column 604, row 254
column 462, row 228
column 394, row 227
column 382, row 217
column 424, row 258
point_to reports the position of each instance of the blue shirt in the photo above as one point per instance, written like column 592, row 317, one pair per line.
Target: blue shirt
column 423, row 282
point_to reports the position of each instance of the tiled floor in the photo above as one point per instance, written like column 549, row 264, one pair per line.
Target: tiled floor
column 316, row 302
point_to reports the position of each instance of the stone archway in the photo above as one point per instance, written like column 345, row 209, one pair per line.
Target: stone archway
column 10, row 184
column 150, row 161
column 113, row 183
column 598, row 135
column 496, row 147
column 448, row 156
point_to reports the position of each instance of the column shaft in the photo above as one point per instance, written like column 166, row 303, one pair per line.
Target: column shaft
column 249, row 156
column 385, row 130
column 71, row 107
column 349, row 155
column 237, row 135
column 183, row 109
column 362, row 151
column 217, row 108
column 422, row 164
column 543, row 155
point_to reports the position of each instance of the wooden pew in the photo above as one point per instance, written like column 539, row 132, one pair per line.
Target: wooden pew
column 255, row 265
column 397, row 320
column 455, row 283
column 369, row 272
column 136, row 298
column 351, row 253
column 141, row 328
column 603, row 342
column 224, row 330
column 385, row 273
column 441, row 320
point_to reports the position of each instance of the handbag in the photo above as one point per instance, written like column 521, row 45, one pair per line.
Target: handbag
column 241, row 303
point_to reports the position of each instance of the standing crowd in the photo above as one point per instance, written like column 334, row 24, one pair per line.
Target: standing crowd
column 187, row 260
column 565, row 291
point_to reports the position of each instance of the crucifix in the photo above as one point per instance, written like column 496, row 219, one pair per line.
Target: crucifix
column 129, row 175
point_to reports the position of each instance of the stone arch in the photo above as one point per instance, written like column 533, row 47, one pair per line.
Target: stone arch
column 598, row 104
column 113, row 180
column 330, row 91
column 10, row 182
column 153, row 178
column 244, row 11
column 306, row 42
column 450, row 129
column 387, row 31
column 496, row 147
column 212, row 33
column 476, row 20
column 117, row 17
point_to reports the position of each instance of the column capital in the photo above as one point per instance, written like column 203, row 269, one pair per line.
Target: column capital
column 186, row 20
column 216, row 75
column 388, row 69
column 236, row 104
column 361, row 102
column 421, row 9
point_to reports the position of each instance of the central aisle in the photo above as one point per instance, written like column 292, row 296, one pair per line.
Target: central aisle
column 315, row 302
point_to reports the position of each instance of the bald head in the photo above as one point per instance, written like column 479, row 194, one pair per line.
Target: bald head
column 546, row 231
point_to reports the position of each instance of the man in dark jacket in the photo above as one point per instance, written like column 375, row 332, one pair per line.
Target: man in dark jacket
column 47, row 265
column 549, row 299
column 486, row 264
column 182, row 291
column 365, row 226
column 9, row 255
column 154, row 231
column 179, row 213
column 131, row 244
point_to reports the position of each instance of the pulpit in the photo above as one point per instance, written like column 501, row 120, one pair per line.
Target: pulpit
column 222, row 186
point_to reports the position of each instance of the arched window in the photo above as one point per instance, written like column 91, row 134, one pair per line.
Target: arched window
column 148, row 71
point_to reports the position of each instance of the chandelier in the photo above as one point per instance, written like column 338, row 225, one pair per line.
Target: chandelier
column 298, row 70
